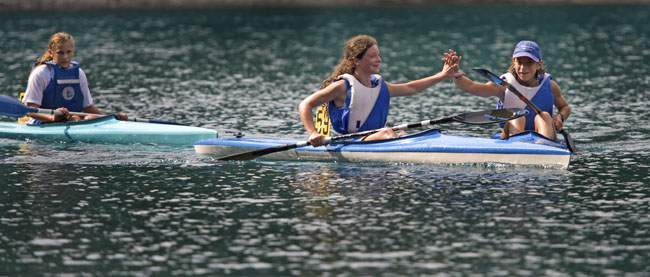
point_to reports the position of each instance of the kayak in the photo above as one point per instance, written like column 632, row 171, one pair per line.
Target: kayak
column 433, row 147
column 108, row 129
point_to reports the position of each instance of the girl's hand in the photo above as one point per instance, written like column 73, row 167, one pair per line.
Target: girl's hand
column 451, row 58
column 65, row 115
column 557, row 122
column 121, row 116
column 451, row 67
column 316, row 139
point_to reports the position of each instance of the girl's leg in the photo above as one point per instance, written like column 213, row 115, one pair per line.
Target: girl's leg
column 90, row 116
column 74, row 118
column 544, row 125
column 513, row 127
column 385, row 133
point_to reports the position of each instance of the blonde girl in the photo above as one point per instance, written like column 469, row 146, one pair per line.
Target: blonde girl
column 57, row 82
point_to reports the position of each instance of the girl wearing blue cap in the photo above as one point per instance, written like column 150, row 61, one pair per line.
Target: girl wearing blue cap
column 528, row 76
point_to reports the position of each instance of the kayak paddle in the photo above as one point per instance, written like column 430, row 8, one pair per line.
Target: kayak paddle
column 481, row 117
column 495, row 79
column 13, row 108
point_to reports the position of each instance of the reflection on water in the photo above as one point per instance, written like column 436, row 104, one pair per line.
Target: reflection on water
column 69, row 153
column 88, row 209
column 250, row 217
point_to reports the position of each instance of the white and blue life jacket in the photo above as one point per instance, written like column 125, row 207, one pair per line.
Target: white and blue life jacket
column 64, row 89
column 541, row 96
column 364, row 109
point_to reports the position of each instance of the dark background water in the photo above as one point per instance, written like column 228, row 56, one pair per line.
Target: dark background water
column 75, row 208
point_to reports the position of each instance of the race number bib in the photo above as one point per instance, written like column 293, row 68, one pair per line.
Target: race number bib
column 323, row 121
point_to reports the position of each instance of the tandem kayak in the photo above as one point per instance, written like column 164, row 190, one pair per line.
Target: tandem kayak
column 108, row 129
column 430, row 146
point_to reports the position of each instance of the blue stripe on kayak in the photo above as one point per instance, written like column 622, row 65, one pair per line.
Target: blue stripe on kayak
column 66, row 132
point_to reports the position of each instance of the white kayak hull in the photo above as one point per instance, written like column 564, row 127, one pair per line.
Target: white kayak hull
column 430, row 147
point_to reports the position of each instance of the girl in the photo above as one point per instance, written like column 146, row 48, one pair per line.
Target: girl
column 528, row 76
column 57, row 82
column 358, row 97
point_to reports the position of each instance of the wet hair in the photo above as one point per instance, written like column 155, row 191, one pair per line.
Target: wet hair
column 55, row 41
column 355, row 47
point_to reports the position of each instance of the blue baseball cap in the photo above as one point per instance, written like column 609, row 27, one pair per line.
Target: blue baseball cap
column 527, row 48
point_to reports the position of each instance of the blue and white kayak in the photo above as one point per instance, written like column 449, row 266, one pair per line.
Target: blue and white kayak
column 429, row 146
column 108, row 130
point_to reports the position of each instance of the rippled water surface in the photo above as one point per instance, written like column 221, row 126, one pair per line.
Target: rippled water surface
column 88, row 209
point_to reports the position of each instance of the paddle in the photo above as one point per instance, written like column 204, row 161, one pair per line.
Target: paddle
column 495, row 79
column 13, row 108
column 481, row 117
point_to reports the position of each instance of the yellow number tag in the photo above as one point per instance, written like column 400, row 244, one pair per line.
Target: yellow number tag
column 323, row 121
column 23, row 119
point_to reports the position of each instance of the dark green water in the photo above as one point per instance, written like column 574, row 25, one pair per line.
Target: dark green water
column 83, row 209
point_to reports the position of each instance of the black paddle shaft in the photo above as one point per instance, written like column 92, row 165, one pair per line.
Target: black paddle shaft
column 494, row 78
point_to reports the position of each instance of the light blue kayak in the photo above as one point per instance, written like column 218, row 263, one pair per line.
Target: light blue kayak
column 426, row 147
column 108, row 130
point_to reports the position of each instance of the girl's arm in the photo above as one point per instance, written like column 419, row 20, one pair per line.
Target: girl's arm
column 92, row 109
column 416, row 86
column 336, row 92
column 467, row 85
column 563, row 108
column 48, row 117
column 479, row 89
column 449, row 71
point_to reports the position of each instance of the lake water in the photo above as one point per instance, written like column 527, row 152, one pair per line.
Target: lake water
column 87, row 209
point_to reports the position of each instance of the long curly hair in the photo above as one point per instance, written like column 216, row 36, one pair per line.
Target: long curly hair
column 55, row 40
column 355, row 47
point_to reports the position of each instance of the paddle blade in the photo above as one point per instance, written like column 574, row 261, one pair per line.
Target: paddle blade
column 569, row 141
column 489, row 75
column 240, row 157
column 490, row 116
column 11, row 107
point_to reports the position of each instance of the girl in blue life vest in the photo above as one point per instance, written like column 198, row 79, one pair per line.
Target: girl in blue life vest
column 528, row 76
column 57, row 82
column 358, row 97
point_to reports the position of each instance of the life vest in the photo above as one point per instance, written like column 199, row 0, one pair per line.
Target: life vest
column 64, row 89
column 364, row 109
column 541, row 96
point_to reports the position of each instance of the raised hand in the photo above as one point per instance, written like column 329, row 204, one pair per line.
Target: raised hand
column 451, row 66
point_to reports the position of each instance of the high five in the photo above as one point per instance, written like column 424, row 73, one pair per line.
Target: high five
column 357, row 95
